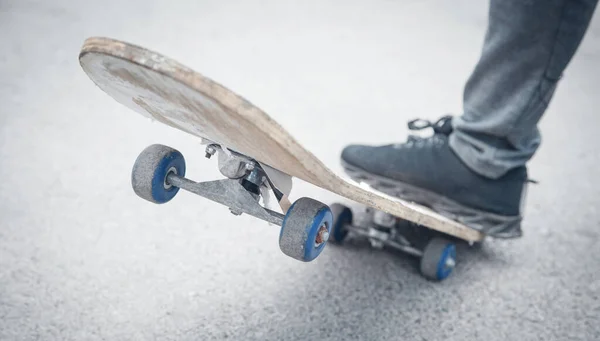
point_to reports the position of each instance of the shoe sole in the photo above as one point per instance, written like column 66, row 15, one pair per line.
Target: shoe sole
column 490, row 224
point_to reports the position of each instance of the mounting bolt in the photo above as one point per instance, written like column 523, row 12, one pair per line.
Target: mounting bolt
column 322, row 235
column 250, row 166
column 210, row 151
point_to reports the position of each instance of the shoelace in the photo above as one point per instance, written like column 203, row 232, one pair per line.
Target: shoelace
column 441, row 126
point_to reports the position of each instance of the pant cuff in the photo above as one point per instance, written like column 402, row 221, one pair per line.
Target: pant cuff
column 476, row 156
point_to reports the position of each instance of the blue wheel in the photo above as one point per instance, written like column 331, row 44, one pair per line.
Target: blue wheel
column 305, row 230
column 150, row 171
column 439, row 259
column 342, row 218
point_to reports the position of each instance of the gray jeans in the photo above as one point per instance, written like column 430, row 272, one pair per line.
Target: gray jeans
column 528, row 45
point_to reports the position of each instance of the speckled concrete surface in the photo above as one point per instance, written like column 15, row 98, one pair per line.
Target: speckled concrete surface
column 82, row 258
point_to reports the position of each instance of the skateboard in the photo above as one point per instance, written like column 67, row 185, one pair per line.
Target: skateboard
column 258, row 160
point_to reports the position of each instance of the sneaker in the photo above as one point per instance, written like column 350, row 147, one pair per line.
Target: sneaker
column 428, row 172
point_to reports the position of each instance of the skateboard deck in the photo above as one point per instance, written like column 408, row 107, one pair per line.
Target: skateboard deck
column 166, row 91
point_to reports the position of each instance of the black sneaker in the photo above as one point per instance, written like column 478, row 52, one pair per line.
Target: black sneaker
column 428, row 172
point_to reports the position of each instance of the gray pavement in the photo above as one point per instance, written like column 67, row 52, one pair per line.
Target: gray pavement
column 82, row 258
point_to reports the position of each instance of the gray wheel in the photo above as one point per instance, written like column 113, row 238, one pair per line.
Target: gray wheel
column 150, row 171
column 305, row 229
column 439, row 259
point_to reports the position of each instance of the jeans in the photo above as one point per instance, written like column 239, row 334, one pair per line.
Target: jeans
column 528, row 45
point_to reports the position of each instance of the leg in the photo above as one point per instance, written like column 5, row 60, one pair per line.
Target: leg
column 473, row 167
column 527, row 47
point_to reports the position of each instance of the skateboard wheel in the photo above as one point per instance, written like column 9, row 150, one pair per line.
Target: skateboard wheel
column 439, row 259
column 342, row 217
column 305, row 230
column 150, row 170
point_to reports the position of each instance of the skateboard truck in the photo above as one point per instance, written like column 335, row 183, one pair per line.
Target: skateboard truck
column 159, row 173
column 437, row 258
column 234, row 165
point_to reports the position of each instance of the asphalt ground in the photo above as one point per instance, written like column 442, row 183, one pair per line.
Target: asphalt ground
column 83, row 258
